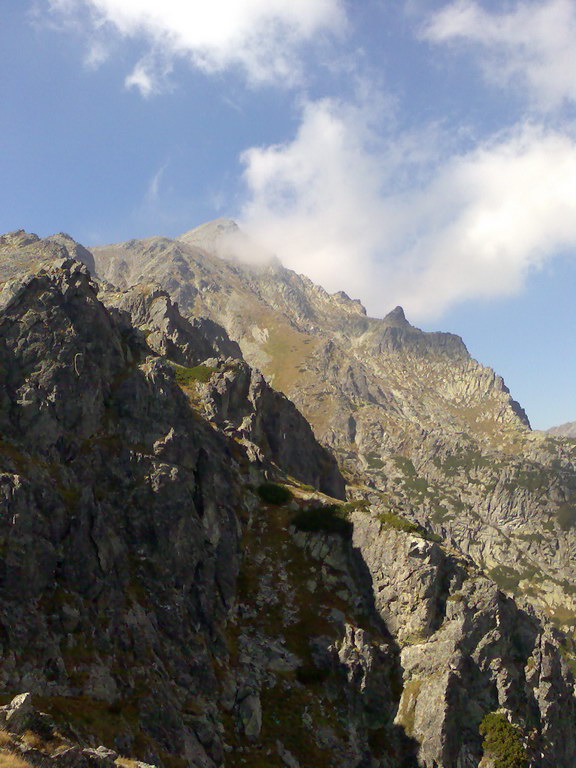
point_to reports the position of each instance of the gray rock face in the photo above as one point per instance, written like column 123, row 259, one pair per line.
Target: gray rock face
column 187, row 342
column 236, row 398
column 467, row 649
column 21, row 251
column 154, row 602
column 118, row 527
column 240, row 401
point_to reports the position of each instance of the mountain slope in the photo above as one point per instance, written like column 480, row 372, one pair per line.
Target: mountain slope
column 164, row 600
column 563, row 430
column 409, row 414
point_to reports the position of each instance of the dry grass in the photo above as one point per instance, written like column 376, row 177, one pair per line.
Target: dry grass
column 288, row 350
column 51, row 746
column 126, row 762
column 32, row 739
column 5, row 738
column 10, row 760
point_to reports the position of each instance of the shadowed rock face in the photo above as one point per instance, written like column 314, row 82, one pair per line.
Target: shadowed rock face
column 119, row 535
column 153, row 601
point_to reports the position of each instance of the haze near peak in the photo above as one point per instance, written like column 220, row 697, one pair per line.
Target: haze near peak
column 224, row 238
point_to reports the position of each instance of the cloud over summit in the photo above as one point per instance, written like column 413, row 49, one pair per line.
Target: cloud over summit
column 428, row 215
column 469, row 225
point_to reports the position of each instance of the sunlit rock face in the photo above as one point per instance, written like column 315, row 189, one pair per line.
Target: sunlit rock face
column 409, row 414
column 157, row 600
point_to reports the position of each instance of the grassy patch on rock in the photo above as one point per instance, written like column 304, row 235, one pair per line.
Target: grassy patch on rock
column 400, row 523
column 503, row 742
column 199, row 373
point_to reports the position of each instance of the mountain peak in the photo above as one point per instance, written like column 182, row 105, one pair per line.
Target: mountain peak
column 210, row 231
column 223, row 238
column 396, row 317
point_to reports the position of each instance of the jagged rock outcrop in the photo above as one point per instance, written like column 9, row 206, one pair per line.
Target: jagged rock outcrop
column 462, row 648
column 233, row 395
column 119, row 535
column 187, row 342
column 239, row 400
column 22, row 251
column 118, row 527
column 467, row 649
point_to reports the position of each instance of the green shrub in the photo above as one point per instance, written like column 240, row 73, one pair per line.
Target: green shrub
column 374, row 461
column 399, row 523
column 348, row 507
column 271, row 493
column 503, row 741
column 507, row 578
column 566, row 516
column 325, row 519
column 201, row 373
column 405, row 465
column 392, row 520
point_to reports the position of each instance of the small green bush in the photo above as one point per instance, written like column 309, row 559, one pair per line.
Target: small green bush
column 503, row 741
column 374, row 461
column 201, row 373
column 271, row 493
column 507, row 578
column 392, row 520
column 399, row 523
column 325, row 519
column 566, row 516
column 405, row 465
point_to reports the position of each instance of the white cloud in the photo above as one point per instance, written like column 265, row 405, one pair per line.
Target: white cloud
column 531, row 45
column 261, row 37
column 398, row 221
column 150, row 75
column 153, row 190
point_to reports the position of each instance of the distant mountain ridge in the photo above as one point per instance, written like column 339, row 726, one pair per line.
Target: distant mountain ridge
column 563, row 430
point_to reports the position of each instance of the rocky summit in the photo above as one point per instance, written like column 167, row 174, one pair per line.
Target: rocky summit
column 244, row 524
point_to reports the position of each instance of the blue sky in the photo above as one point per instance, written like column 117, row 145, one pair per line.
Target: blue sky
column 418, row 153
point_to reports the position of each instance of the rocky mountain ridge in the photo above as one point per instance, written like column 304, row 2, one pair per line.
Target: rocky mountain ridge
column 409, row 414
column 563, row 430
column 158, row 590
